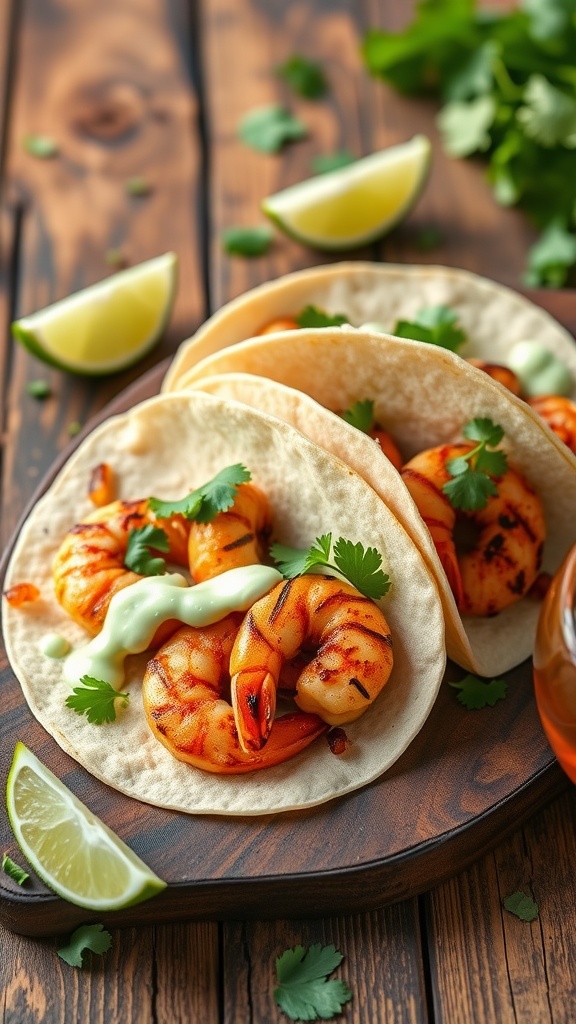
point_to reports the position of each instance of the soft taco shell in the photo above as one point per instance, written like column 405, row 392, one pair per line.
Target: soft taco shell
column 494, row 317
column 423, row 396
column 166, row 447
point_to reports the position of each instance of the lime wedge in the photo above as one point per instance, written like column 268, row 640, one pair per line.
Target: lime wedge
column 355, row 204
column 108, row 325
column 75, row 853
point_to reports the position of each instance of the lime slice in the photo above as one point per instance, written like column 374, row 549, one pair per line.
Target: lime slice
column 355, row 204
column 75, row 853
column 108, row 325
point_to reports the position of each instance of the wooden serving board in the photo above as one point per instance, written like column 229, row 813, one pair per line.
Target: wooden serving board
column 468, row 779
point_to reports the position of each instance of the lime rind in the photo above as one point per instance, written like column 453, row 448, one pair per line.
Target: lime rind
column 336, row 187
column 95, row 849
column 127, row 286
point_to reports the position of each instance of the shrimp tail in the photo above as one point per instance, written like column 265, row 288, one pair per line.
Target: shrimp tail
column 254, row 703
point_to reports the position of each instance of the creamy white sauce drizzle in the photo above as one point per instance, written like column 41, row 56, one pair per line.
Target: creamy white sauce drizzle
column 54, row 646
column 136, row 612
column 539, row 370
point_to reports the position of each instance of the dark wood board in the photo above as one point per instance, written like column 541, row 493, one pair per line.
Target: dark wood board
column 466, row 781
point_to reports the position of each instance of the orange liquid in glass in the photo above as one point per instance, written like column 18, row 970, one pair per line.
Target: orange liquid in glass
column 555, row 666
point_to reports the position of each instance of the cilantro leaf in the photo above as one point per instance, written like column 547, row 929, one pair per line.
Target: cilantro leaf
column 549, row 114
column 13, row 870
column 204, row 503
column 464, row 126
column 96, row 699
column 551, row 257
column 137, row 186
column 304, row 76
column 248, row 241
column 360, row 566
column 311, row 316
column 521, row 905
column 472, row 473
column 89, row 936
column 436, row 325
column 324, row 163
column 39, row 389
column 476, row 693
column 548, row 18
column 304, row 992
column 267, row 129
column 360, row 415
column 41, row 146
column 138, row 557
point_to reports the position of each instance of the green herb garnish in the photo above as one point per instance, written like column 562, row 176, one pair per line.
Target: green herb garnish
column 323, row 164
column 360, row 566
column 96, row 699
column 304, row 992
column 39, row 389
column 311, row 316
column 41, row 146
column 507, row 84
column 74, row 427
column 476, row 693
column 247, row 241
column 203, row 504
column 360, row 415
column 473, row 484
column 138, row 555
column 137, row 186
column 268, row 129
column 304, row 76
column 521, row 905
column 13, row 870
column 89, row 936
column 436, row 325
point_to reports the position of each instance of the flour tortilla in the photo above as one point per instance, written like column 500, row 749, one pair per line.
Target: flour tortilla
column 423, row 396
column 494, row 317
column 166, row 447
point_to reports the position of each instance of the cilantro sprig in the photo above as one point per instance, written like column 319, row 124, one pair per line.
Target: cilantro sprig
column 306, row 77
column 13, row 870
column 359, row 565
column 360, row 415
column 312, row 316
column 248, row 241
column 305, row 991
column 204, row 503
column 268, row 129
column 476, row 693
column 473, row 473
column 93, row 937
column 436, row 325
column 138, row 555
column 521, row 905
column 96, row 699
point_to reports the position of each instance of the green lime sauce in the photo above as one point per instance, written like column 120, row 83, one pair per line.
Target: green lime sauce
column 539, row 370
column 54, row 646
column 136, row 612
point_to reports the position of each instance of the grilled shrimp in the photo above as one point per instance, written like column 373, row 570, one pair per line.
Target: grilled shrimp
column 560, row 415
column 89, row 565
column 501, row 554
column 503, row 374
column 352, row 663
column 184, row 691
column 233, row 538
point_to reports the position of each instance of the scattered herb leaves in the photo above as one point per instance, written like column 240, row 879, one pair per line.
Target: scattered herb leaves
column 360, row 415
column 96, row 699
column 141, row 542
column 93, row 937
column 74, row 427
column 41, row 146
column 311, row 316
column 305, row 991
column 304, row 76
column 436, row 325
column 472, row 482
column 521, row 905
column 39, row 389
column 268, row 129
column 360, row 566
column 13, row 870
column 203, row 504
column 115, row 258
column 253, row 241
column 324, row 163
column 507, row 84
column 137, row 186
column 476, row 693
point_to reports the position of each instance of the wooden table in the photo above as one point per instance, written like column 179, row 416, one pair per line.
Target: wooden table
column 155, row 89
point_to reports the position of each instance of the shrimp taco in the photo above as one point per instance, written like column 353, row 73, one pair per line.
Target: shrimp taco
column 202, row 480
column 489, row 556
column 514, row 339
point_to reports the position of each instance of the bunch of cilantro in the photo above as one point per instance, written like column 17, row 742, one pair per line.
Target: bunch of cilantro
column 508, row 85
